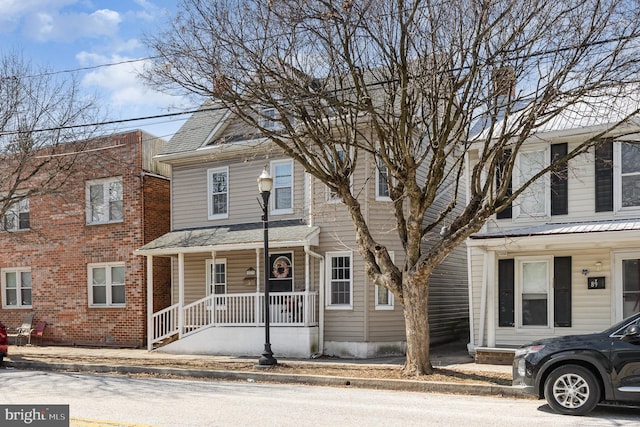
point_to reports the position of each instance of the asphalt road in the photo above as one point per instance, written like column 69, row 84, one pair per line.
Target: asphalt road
column 104, row 400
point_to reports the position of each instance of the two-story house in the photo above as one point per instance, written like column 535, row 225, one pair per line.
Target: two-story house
column 321, row 301
column 565, row 257
column 66, row 256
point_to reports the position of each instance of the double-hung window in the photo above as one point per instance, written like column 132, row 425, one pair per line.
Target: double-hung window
column 340, row 280
column 627, row 196
column 217, row 281
column 343, row 169
column 382, row 181
column 269, row 119
column 282, row 172
column 17, row 216
column 384, row 297
column 218, row 194
column 104, row 201
column 16, row 287
column 106, row 284
column 532, row 202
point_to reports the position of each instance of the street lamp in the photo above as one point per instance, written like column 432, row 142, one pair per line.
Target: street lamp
column 265, row 183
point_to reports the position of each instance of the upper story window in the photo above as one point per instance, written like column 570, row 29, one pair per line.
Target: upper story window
column 17, row 216
column 332, row 196
column 382, row 182
column 16, row 287
column 628, row 176
column 532, row 201
column 104, row 201
column 106, row 285
column 340, row 280
column 282, row 172
column 218, row 193
column 269, row 119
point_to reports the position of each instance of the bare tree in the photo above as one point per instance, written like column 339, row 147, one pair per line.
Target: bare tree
column 40, row 115
column 416, row 84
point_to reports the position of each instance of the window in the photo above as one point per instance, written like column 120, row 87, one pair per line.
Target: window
column 16, row 287
column 282, row 172
column 17, row 216
column 104, row 201
column 630, row 287
column 340, row 280
column 217, row 280
column 342, row 156
column 106, row 285
column 269, row 119
column 382, row 183
column 628, row 176
column 384, row 297
column 218, row 181
column 533, row 200
column 530, row 279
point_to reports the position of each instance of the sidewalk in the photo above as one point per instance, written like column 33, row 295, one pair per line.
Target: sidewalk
column 141, row 361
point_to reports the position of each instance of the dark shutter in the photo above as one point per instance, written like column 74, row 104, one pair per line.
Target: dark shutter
column 604, row 176
column 507, row 212
column 562, row 291
column 559, row 182
column 506, row 292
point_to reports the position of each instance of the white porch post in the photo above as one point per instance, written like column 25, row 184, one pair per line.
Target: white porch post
column 150, row 325
column 491, row 308
column 180, row 294
column 257, row 305
column 210, row 288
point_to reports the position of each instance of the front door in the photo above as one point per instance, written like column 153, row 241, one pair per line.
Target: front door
column 627, row 267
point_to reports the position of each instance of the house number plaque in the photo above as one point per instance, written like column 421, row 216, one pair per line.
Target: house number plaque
column 595, row 283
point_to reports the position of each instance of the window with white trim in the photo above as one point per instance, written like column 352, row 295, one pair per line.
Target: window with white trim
column 382, row 182
column 104, row 201
column 339, row 280
column 17, row 216
column 332, row 196
column 269, row 119
column 106, row 284
column 16, row 287
column 533, row 201
column 282, row 173
column 217, row 280
column 384, row 297
column 534, row 289
column 218, row 194
column 627, row 175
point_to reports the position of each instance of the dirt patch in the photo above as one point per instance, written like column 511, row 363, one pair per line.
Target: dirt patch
column 332, row 369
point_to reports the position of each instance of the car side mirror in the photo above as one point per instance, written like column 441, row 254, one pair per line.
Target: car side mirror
column 632, row 332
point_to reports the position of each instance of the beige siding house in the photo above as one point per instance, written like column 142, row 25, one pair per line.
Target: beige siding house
column 565, row 259
column 321, row 301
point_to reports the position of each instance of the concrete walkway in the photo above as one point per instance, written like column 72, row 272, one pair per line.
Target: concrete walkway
column 78, row 359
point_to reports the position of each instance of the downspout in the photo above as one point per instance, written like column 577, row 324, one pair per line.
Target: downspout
column 321, row 287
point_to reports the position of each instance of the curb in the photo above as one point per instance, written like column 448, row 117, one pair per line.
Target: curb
column 318, row 380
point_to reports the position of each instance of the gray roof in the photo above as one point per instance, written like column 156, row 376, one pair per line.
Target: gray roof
column 196, row 130
column 230, row 237
column 564, row 228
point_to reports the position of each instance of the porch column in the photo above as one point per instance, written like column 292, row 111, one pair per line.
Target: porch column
column 180, row 294
column 210, row 288
column 491, row 306
column 150, row 325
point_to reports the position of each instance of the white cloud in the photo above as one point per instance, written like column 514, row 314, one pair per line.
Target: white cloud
column 66, row 27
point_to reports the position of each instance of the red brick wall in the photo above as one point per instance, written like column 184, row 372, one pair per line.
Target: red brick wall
column 59, row 245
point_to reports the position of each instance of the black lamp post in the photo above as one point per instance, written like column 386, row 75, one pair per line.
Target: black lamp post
column 265, row 183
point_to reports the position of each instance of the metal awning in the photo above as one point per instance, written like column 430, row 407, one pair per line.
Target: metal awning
column 232, row 237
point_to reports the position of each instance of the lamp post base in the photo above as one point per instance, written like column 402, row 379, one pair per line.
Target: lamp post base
column 267, row 358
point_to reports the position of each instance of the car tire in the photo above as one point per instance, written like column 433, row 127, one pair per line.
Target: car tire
column 572, row 390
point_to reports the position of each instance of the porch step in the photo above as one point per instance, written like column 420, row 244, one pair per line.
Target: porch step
column 494, row 356
column 165, row 341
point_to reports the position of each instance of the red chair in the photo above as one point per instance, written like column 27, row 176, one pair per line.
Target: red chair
column 38, row 332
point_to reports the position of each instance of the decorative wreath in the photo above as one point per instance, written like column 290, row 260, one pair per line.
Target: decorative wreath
column 281, row 268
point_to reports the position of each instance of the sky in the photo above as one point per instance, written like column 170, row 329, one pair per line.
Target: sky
column 73, row 34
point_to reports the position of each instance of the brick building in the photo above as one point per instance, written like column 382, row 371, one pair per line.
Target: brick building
column 67, row 257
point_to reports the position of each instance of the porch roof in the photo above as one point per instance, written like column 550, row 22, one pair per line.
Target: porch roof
column 555, row 231
column 289, row 233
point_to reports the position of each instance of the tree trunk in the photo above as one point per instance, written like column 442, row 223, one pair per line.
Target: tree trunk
column 416, row 319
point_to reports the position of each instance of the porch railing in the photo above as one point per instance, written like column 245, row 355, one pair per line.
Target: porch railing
column 246, row 309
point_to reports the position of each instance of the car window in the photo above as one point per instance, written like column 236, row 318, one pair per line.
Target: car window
column 619, row 329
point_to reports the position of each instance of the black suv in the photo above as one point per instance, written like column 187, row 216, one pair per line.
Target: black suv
column 576, row 372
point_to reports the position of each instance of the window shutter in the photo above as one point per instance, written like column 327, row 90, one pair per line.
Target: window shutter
column 604, row 176
column 507, row 213
column 562, row 291
column 506, row 292
column 559, row 182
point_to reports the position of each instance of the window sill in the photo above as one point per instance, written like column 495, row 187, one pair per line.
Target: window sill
column 339, row 307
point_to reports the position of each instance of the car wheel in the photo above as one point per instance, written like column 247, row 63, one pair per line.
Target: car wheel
column 572, row 390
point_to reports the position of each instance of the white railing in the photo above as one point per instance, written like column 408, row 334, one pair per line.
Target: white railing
column 285, row 309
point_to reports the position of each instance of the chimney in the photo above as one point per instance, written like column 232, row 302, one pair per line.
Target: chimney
column 504, row 82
